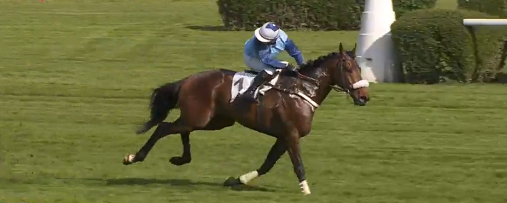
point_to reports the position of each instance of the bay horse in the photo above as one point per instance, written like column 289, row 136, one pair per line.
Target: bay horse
column 284, row 111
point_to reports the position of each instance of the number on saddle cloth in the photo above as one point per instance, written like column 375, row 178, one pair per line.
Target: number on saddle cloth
column 242, row 80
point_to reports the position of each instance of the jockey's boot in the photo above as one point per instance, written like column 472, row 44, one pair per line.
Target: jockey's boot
column 257, row 81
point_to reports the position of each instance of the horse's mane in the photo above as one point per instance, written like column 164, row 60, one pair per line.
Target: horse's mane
column 316, row 63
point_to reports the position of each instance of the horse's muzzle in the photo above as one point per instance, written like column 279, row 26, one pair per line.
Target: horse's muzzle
column 361, row 101
column 359, row 93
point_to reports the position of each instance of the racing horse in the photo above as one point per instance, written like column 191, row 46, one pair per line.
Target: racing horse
column 284, row 109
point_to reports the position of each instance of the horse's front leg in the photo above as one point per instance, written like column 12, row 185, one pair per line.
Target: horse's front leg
column 276, row 151
column 293, row 149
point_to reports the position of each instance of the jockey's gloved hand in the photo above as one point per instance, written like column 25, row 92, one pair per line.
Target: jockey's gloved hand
column 291, row 67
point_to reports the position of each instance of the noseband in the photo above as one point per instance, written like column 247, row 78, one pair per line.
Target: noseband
column 351, row 87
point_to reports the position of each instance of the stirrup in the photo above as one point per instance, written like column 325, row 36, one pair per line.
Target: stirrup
column 249, row 96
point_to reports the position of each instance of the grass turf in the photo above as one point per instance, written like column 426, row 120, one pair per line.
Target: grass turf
column 75, row 77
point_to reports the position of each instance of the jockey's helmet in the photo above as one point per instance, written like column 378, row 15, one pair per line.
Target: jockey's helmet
column 267, row 33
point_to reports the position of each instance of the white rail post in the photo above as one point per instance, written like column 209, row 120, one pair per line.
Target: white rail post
column 374, row 51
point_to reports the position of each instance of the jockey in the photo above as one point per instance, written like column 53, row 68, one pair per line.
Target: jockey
column 260, row 52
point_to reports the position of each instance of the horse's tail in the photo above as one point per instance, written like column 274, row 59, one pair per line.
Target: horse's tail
column 163, row 99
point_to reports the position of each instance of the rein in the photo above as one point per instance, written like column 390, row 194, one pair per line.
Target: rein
column 336, row 88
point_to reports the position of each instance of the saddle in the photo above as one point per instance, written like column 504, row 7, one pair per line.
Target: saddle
column 290, row 82
column 282, row 73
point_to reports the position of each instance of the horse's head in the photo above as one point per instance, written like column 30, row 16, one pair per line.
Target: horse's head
column 346, row 76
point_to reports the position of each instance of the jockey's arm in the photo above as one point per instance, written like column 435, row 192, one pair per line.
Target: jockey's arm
column 267, row 58
column 293, row 51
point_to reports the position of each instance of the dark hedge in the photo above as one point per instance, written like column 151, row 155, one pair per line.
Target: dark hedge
column 304, row 14
column 434, row 46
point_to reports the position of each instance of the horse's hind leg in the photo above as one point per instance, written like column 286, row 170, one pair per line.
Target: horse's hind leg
column 216, row 123
column 163, row 129
column 183, row 128
column 186, row 157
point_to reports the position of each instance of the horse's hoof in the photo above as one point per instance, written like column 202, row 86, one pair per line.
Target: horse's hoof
column 178, row 161
column 232, row 181
column 129, row 159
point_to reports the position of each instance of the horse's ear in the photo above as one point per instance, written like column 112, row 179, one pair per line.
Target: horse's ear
column 341, row 47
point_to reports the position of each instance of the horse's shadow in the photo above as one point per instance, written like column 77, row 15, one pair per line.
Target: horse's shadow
column 179, row 183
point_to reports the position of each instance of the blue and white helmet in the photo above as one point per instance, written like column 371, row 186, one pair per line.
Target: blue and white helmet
column 267, row 32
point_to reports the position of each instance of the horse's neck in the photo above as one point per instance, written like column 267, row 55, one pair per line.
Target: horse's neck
column 322, row 93
column 324, row 84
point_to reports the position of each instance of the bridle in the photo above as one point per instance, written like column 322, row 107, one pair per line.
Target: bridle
column 336, row 88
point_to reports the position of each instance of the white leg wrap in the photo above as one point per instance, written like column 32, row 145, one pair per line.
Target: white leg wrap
column 304, row 187
column 130, row 158
column 245, row 178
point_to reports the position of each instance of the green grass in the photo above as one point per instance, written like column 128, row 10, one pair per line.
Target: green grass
column 447, row 4
column 74, row 84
